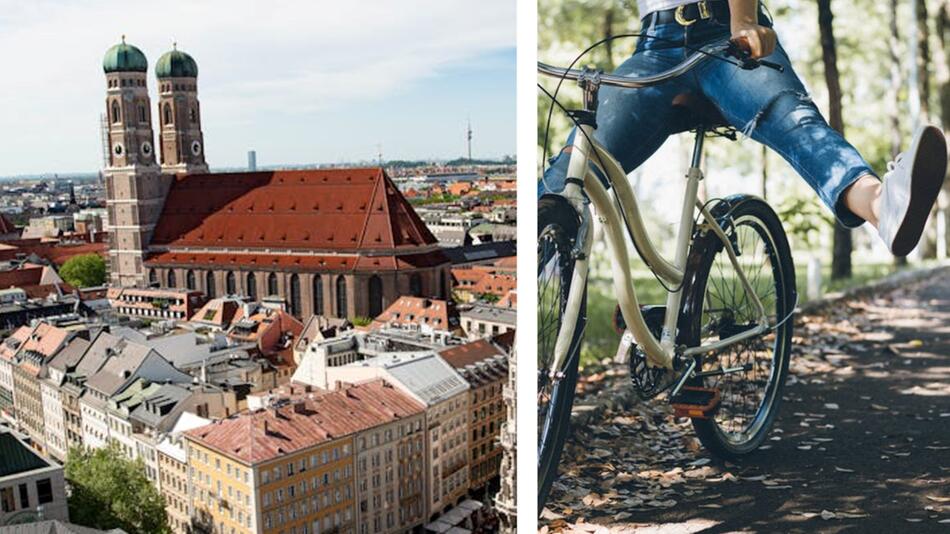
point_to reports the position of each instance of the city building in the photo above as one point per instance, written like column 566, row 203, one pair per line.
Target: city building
column 42, row 343
column 506, row 502
column 54, row 526
column 61, row 423
column 338, row 242
column 485, row 367
column 30, row 486
column 125, row 363
column 426, row 377
column 173, row 472
column 151, row 303
column 482, row 320
column 421, row 314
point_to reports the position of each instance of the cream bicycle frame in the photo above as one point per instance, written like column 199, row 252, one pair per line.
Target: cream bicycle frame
column 608, row 206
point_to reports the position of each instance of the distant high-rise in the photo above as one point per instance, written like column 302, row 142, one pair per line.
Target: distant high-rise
column 252, row 160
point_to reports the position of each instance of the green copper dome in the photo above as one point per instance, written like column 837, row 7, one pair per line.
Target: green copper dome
column 124, row 58
column 176, row 64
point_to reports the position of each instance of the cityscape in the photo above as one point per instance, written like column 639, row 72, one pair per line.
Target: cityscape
column 302, row 350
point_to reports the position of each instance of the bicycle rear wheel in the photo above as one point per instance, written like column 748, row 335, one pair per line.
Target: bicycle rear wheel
column 716, row 306
column 557, row 229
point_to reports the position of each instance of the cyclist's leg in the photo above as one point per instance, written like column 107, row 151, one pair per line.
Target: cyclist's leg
column 631, row 123
column 775, row 109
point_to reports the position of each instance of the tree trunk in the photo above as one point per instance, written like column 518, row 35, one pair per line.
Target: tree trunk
column 922, row 57
column 765, row 172
column 841, row 250
column 942, row 65
column 608, row 33
column 894, row 91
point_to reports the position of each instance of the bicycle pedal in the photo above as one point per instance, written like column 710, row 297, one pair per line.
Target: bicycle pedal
column 696, row 402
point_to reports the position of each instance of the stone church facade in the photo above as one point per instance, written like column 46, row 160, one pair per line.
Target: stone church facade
column 333, row 242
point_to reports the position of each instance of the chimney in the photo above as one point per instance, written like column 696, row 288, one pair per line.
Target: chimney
column 266, row 428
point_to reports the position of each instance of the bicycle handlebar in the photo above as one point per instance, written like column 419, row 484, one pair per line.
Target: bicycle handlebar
column 728, row 48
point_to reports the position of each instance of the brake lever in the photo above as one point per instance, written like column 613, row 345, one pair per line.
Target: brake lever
column 746, row 62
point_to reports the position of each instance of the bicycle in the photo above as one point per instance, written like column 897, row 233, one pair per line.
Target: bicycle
column 720, row 346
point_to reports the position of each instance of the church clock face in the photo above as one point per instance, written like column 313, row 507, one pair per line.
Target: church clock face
column 196, row 148
column 118, row 149
column 146, row 149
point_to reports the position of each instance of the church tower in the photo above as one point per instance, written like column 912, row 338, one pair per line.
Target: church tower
column 182, row 143
column 135, row 187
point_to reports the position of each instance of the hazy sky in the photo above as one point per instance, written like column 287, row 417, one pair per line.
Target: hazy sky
column 298, row 81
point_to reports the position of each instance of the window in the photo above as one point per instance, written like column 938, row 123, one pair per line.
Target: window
column 230, row 284
column 7, row 503
column 375, row 296
column 341, row 297
column 317, row 294
column 272, row 284
column 251, row 286
column 194, row 114
column 115, row 112
column 153, row 278
column 142, row 118
column 24, row 496
column 190, row 279
column 167, row 114
column 295, row 295
column 415, row 285
column 171, row 279
column 209, row 285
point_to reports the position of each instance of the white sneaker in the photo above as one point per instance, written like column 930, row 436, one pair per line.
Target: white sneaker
column 910, row 189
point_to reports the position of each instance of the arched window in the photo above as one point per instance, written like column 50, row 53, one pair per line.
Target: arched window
column 171, row 279
column 168, row 114
column 295, row 295
column 190, row 279
column 229, row 284
column 375, row 296
column 142, row 118
column 153, row 278
column 317, row 295
column 415, row 285
column 341, row 297
column 272, row 284
column 442, row 293
column 115, row 112
column 194, row 114
column 209, row 284
column 251, row 286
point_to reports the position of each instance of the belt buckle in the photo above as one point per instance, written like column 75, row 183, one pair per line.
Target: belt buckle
column 680, row 13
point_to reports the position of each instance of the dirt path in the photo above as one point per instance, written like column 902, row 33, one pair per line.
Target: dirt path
column 862, row 442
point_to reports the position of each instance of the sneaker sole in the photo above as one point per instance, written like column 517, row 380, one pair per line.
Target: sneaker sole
column 927, row 175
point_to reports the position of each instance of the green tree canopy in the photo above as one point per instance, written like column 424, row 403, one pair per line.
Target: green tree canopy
column 109, row 491
column 85, row 270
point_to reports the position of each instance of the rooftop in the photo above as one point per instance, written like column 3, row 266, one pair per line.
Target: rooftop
column 262, row 435
column 17, row 457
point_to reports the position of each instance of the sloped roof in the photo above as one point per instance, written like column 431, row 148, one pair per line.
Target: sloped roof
column 253, row 437
column 323, row 209
column 70, row 355
column 55, row 527
column 461, row 356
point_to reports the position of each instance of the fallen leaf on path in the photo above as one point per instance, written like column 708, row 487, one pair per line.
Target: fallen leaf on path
column 843, row 470
column 826, row 515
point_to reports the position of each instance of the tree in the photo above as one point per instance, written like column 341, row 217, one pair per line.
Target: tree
column 106, row 491
column 894, row 91
column 841, row 249
column 85, row 270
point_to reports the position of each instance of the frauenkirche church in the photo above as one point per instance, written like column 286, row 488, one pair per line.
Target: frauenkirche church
column 335, row 242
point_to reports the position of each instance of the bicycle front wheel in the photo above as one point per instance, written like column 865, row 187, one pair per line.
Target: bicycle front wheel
column 557, row 230
column 717, row 306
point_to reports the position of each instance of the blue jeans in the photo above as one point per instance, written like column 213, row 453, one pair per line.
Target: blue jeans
column 769, row 106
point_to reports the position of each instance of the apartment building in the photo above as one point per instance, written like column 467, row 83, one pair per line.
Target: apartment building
column 426, row 377
column 173, row 472
column 29, row 367
column 8, row 350
column 151, row 303
column 59, row 429
column 485, row 367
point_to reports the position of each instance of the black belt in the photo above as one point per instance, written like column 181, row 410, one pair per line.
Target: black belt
column 689, row 14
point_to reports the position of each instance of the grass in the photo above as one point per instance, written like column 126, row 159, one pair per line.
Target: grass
column 601, row 340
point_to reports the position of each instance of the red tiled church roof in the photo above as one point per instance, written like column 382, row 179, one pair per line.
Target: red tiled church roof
column 325, row 209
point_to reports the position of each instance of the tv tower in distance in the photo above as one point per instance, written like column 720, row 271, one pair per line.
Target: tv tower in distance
column 468, row 135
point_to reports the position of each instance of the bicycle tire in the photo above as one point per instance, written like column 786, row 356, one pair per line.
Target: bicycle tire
column 735, row 212
column 557, row 225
